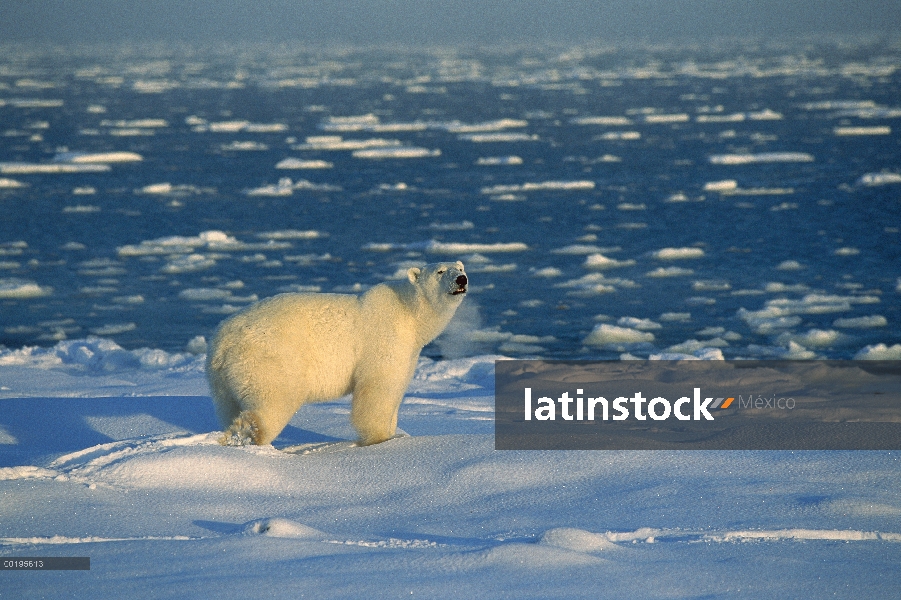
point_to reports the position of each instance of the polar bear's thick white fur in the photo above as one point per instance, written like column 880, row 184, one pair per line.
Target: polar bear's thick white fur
column 267, row 361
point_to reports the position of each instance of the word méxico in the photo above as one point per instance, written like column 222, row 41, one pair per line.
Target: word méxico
column 658, row 409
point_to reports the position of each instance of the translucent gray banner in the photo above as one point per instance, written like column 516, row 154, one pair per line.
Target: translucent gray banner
column 697, row 405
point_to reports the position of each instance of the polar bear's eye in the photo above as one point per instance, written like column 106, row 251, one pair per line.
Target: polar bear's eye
column 442, row 271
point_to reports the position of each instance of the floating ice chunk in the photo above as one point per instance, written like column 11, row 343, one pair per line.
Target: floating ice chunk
column 605, row 334
column 81, row 208
column 167, row 189
column 482, row 138
column 461, row 247
column 51, row 168
column 640, row 324
column 135, row 123
column 547, row 272
column 727, row 185
column 20, row 289
column 765, row 322
column 621, row 136
column 595, row 284
column 764, row 157
column 499, row 161
column 461, row 226
column 782, row 288
column 790, row 265
column 227, row 126
column 351, row 123
column 114, row 329
column 599, row 261
column 765, row 115
column 861, row 322
column 10, row 184
column 33, row 103
column 813, row 338
column 396, row 152
column 181, row 245
column 856, row 131
column 297, row 163
column 691, row 346
column 847, row 251
column 677, row 253
column 80, row 158
column 665, row 119
column 204, row 294
column 699, row 354
column 879, row 352
column 287, row 187
column 190, row 263
column 436, row 247
column 292, row 234
column 487, row 126
column 679, row 317
column 669, row 272
column 336, row 142
column 214, row 295
column 247, row 146
column 839, row 105
column 874, row 179
column 603, row 121
column 577, row 249
column 540, row 186
column 711, row 286
column 730, row 118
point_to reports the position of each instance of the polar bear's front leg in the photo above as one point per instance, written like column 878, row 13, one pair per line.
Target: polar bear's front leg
column 373, row 411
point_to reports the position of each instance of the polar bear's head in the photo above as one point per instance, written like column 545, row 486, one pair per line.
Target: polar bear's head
column 444, row 283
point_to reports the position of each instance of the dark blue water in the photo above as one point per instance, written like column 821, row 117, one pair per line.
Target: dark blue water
column 798, row 236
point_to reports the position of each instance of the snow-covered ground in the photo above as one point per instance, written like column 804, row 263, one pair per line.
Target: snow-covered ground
column 111, row 454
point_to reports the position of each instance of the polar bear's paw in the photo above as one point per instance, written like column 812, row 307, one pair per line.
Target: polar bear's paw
column 244, row 430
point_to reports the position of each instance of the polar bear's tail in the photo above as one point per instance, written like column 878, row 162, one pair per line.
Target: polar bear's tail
column 244, row 430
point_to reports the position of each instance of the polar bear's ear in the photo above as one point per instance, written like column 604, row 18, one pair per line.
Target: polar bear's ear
column 413, row 274
column 459, row 265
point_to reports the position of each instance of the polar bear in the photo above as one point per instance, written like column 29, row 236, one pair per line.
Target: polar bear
column 267, row 361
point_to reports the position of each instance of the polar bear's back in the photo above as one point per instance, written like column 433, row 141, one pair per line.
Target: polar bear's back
column 308, row 338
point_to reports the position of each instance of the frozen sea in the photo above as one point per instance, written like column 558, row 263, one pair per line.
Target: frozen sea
column 732, row 200
column 736, row 197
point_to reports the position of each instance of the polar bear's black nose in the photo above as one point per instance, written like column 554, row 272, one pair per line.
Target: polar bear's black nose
column 461, row 280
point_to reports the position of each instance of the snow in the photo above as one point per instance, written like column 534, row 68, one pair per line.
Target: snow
column 112, row 454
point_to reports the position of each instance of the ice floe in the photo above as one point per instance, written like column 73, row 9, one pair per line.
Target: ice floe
column 14, row 288
column 763, row 157
column 677, row 253
column 286, row 187
column 298, row 163
column 396, row 152
column 879, row 352
column 869, row 179
column 541, row 186
column 859, row 131
column 605, row 334
column 499, row 161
